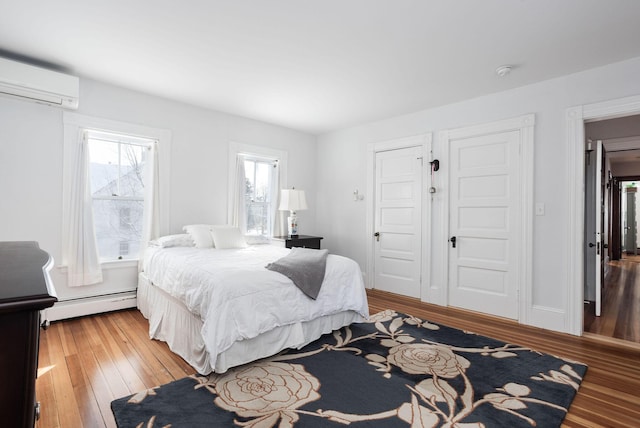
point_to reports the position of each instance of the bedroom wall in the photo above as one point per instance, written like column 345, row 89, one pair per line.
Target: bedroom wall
column 343, row 156
column 31, row 142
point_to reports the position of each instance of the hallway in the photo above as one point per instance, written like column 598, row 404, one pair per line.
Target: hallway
column 621, row 303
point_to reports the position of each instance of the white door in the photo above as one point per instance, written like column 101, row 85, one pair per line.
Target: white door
column 484, row 221
column 593, row 227
column 398, row 211
column 598, row 232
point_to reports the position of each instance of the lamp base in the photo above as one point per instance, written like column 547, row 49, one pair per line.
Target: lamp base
column 292, row 225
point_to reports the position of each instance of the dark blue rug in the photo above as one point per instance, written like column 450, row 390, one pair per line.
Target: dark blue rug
column 396, row 371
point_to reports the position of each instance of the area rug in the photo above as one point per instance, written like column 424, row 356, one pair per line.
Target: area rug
column 395, row 371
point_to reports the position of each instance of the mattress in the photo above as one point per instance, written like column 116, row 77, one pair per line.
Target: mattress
column 221, row 308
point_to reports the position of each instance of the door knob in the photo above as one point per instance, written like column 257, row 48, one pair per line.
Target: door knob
column 377, row 235
column 453, row 241
column 591, row 245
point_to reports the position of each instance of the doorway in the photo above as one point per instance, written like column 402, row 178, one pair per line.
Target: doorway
column 619, row 317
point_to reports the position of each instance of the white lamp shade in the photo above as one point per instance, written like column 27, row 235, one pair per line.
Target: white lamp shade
column 292, row 200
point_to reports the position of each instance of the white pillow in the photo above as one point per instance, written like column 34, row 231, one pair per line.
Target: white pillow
column 179, row 240
column 227, row 237
column 201, row 234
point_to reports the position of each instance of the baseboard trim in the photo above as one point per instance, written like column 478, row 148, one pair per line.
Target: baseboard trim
column 90, row 305
column 548, row 318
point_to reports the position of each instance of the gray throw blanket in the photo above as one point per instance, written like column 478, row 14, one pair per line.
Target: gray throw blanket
column 305, row 267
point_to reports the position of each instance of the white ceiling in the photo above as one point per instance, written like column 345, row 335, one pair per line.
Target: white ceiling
column 321, row 65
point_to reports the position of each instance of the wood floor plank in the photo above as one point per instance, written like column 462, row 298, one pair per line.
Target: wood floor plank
column 135, row 354
column 67, row 340
column 608, row 397
column 120, row 361
column 106, row 363
column 44, row 386
column 65, row 400
column 176, row 369
column 87, row 404
column 620, row 315
column 91, row 368
column 145, row 348
column 124, row 341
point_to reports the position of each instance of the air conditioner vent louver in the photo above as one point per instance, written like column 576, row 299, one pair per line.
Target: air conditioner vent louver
column 37, row 84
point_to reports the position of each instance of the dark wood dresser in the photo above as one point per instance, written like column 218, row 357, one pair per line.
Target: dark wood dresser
column 25, row 289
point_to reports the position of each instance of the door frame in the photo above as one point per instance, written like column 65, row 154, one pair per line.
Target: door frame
column 525, row 125
column 575, row 119
column 425, row 142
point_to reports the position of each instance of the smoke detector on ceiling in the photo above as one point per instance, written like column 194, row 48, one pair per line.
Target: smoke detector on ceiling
column 503, row 70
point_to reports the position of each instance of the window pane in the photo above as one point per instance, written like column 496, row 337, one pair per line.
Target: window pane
column 262, row 182
column 258, row 173
column 116, row 168
column 104, row 167
column 257, row 219
column 132, row 159
column 249, row 173
column 118, row 226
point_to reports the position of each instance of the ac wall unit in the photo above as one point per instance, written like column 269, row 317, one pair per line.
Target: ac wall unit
column 30, row 83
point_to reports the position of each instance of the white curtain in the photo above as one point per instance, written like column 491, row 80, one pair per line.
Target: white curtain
column 81, row 249
column 278, row 218
column 239, row 216
column 151, row 221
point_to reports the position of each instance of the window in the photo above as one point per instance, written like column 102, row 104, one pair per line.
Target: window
column 115, row 194
column 256, row 174
column 259, row 197
column 117, row 175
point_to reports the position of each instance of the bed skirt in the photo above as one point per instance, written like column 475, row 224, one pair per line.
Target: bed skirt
column 171, row 322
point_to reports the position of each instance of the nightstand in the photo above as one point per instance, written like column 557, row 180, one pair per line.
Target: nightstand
column 304, row 241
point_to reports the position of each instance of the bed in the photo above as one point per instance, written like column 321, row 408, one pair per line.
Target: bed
column 219, row 308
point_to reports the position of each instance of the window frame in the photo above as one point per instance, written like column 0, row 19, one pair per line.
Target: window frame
column 252, row 152
column 118, row 139
column 74, row 125
column 271, row 163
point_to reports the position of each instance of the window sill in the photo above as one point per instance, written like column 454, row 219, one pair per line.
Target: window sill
column 112, row 264
column 118, row 264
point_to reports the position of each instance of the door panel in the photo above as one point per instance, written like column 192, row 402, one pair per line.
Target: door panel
column 593, row 227
column 598, row 216
column 398, row 210
column 484, row 218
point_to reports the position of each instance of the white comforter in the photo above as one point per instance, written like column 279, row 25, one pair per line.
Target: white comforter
column 237, row 298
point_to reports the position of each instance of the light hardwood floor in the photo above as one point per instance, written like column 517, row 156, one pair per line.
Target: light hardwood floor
column 620, row 316
column 85, row 363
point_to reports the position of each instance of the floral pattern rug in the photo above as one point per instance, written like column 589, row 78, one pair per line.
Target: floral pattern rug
column 395, row 371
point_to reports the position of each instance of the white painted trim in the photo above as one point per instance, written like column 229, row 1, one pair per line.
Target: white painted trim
column 441, row 296
column 575, row 119
column 89, row 306
column 527, row 189
column 427, row 203
column 252, row 150
column 547, row 317
column 575, row 220
column 424, row 141
column 525, row 126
